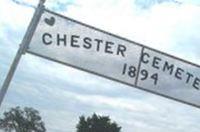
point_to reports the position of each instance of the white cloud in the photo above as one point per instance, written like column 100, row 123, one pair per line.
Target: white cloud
column 191, row 2
column 14, row 15
column 154, row 27
column 51, row 87
column 153, row 113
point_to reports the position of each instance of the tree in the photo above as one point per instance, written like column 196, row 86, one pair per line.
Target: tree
column 97, row 124
column 22, row 120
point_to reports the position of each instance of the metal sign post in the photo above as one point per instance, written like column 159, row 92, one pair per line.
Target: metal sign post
column 22, row 48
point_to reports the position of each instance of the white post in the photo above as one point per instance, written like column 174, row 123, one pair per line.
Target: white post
column 22, row 49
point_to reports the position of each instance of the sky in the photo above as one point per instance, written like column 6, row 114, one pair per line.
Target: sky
column 62, row 94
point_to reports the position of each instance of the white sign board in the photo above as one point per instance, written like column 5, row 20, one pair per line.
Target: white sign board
column 75, row 44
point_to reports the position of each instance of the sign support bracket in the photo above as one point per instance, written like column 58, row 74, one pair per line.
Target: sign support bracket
column 22, row 49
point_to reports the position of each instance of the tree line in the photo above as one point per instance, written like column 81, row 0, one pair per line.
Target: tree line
column 28, row 119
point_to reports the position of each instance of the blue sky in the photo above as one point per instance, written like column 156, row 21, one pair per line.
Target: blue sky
column 62, row 93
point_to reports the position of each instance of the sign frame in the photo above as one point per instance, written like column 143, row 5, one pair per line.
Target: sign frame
column 138, row 68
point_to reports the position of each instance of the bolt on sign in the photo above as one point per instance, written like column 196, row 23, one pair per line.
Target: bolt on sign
column 72, row 43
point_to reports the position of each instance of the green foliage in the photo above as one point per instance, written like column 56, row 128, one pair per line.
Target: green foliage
column 26, row 120
column 97, row 124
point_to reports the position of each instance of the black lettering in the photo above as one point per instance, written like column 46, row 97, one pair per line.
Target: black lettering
column 131, row 71
column 108, row 47
column 87, row 42
column 98, row 43
column 179, row 73
column 121, row 49
column 143, row 60
column 189, row 75
column 63, row 39
column 44, row 38
column 74, row 41
column 144, row 74
column 155, row 62
column 168, row 67
column 155, row 78
column 196, row 83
